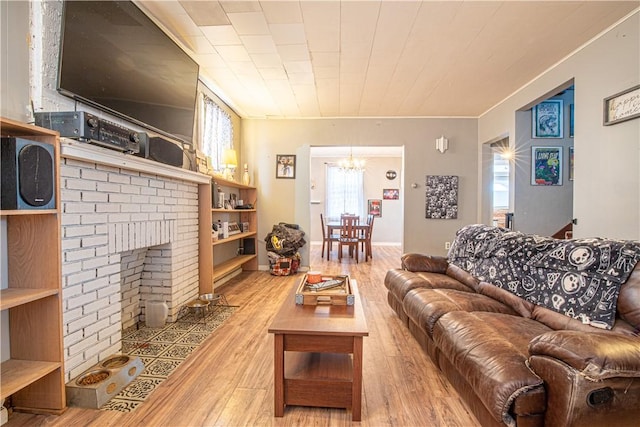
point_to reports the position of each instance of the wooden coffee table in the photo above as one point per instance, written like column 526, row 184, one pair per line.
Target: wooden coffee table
column 318, row 355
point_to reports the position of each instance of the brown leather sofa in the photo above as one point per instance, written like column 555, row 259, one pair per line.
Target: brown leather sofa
column 518, row 363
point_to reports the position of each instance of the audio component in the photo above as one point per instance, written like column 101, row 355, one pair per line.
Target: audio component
column 163, row 151
column 28, row 174
column 87, row 127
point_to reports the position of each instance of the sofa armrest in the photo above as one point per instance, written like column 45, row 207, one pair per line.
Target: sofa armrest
column 597, row 355
column 420, row 262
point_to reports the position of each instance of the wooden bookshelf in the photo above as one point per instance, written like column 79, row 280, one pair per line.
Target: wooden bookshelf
column 34, row 374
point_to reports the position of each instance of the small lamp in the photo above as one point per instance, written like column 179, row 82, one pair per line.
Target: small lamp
column 230, row 162
column 442, row 144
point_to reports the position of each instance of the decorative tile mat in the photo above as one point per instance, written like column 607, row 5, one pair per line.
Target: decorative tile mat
column 162, row 350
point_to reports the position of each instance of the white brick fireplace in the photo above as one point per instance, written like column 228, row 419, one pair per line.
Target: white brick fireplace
column 129, row 235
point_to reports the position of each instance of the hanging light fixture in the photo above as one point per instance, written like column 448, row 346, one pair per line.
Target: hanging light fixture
column 351, row 164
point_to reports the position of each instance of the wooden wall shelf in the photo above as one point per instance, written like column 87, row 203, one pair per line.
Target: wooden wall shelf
column 34, row 374
column 218, row 258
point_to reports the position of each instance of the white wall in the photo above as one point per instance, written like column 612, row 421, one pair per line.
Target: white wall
column 289, row 201
column 607, row 158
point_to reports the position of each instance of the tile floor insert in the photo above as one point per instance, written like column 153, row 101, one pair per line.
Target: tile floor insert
column 162, row 350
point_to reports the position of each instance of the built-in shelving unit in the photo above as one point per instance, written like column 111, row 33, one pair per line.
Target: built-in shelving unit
column 34, row 374
column 223, row 253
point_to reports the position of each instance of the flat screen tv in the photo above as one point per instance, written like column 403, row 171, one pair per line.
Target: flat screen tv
column 113, row 57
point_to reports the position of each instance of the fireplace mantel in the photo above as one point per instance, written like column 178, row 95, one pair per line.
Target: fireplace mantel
column 72, row 149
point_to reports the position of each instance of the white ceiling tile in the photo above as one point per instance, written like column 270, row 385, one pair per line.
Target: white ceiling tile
column 326, row 72
column 273, row 73
column 205, row 12
column 288, row 33
column 200, row 45
column 240, row 6
column 325, row 59
column 210, row 60
column 249, row 23
column 301, row 78
column 233, row 53
column 221, row 35
column 298, row 67
column 282, row 12
column 266, row 60
column 259, row 44
column 294, row 52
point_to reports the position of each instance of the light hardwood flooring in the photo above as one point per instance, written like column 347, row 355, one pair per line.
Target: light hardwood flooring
column 228, row 380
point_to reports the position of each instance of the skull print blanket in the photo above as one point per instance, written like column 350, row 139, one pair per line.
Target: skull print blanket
column 580, row 278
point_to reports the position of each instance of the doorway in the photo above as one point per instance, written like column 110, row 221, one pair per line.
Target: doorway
column 379, row 160
column 501, row 167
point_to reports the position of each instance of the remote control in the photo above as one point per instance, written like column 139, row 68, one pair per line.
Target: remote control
column 325, row 285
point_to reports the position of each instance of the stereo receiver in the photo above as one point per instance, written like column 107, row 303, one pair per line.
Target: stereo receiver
column 87, row 127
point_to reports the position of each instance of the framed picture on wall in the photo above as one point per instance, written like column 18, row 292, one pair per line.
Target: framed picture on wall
column 570, row 163
column 546, row 165
column 374, row 207
column 571, row 120
column 547, row 119
column 622, row 106
column 286, row 166
column 391, row 194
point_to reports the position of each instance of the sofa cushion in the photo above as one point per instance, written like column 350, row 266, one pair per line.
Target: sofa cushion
column 629, row 300
column 420, row 262
column 399, row 282
column 490, row 350
column 426, row 306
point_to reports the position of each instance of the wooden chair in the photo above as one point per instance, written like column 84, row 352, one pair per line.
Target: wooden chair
column 348, row 236
column 365, row 238
column 327, row 238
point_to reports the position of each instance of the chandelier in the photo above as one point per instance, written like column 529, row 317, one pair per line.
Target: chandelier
column 351, row 164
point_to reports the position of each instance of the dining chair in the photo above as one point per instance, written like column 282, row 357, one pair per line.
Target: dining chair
column 348, row 236
column 365, row 238
column 327, row 238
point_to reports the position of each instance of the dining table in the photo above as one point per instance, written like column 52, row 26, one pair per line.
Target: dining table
column 333, row 226
column 336, row 226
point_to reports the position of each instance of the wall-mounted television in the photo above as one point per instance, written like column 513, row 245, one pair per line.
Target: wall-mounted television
column 113, row 57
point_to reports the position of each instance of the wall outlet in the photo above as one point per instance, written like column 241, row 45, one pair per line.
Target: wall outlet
column 447, row 245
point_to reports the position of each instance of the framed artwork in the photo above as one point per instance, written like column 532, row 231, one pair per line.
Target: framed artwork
column 391, row 194
column 374, row 207
column 571, row 108
column 622, row 106
column 442, row 197
column 547, row 119
column 286, row 166
column 546, row 165
column 570, row 163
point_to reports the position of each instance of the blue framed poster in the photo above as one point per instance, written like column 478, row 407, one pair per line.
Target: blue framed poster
column 546, row 165
column 547, row 119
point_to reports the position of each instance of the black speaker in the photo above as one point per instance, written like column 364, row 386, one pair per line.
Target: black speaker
column 162, row 150
column 249, row 246
column 28, row 174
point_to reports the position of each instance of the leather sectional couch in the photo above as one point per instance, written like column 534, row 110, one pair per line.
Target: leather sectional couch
column 500, row 317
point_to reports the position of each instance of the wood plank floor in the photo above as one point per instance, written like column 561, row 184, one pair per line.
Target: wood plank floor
column 228, row 380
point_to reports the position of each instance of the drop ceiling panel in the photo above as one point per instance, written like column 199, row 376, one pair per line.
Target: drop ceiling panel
column 205, row 12
column 378, row 58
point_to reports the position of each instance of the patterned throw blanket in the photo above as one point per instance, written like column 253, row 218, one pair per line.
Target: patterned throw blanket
column 579, row 278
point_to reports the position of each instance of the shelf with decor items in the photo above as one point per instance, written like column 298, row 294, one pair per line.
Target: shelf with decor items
column 223, row 253
column 33, row 376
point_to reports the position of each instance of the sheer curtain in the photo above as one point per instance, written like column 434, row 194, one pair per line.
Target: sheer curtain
column 216, row 131
column 345, row 193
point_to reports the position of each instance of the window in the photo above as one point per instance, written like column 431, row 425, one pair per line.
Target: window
column 345, row 193
column 216, row 131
